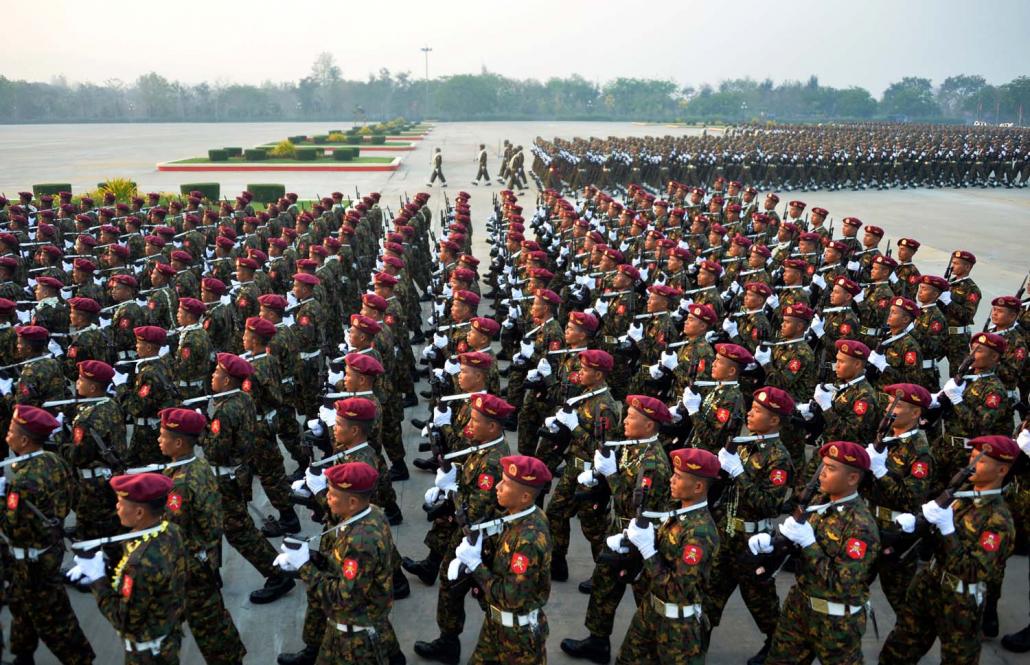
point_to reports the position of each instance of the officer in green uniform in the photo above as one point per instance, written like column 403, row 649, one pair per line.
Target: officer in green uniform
column 152, row 389
column 192, row 362
column 959, row 304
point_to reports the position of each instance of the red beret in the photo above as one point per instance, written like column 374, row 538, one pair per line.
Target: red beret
column 469, row 259
column 761, row 288
column 273, row 301
column 1001, row 448
column 84, row 305
column 874, row 230
column 35, row 333
column 96, row 370
column 486, row 326
column 810, row 236
column 683, row 253
column 853, row 221
column 907, row 305
column 1008, row 302
column 305, row 278
column 85, row 265
column 796, row 264
column 234, row 366
column 853, row 348
column 374, row 301
column 193, row 306
column 613, row 254
column 35, row 421
column 664, row 290
column 774, row 399
column 909, row 242
column 936, row 281
column 492, row 406
column 476, row 359
column 215, row 286
column 260, row 326
column 629, row 270
column 183, row 421
column 838, row 246
column 50, row 282
column 246, row 262
column 356, row 408
column 584, row 320
column 182, row 256
column 156, row 241
column 848, row 285
column 885, row 260
column 463, row 274
column 736, row 353
column 356, row 477
column 142, row 487
column 225, row 243
column 547, row 295
column 991, row 341
column 525, row 470
column 711, row 266
column 964, row 255
column 597, row 359
column 126, row 280
column 7, row 306
column 744, row 241
column 120, row 250
column 910, row 392
column 363, row 363
column 822, row 212
column 703, row 312
column 394, row 261
column 151, row 334
column 541, row 274
column 51, row 250
column 653, row 408
column 695, row 461
column 846, row 452
column 799, row 310
column 365, row 324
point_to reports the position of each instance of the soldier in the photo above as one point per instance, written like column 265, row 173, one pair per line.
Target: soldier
column 195, row 505
column 838, row 320
column 945, row 598
column 310, row 331
column 907, row 275
column 152, row 390
column 960, row 303
column 897, row 357
column 50, row 312
column 87, row 340
column 127, row 315
column 720, row 413
column 220, row 318
column 546, row 335
column 192, row 363
column 161, row 301
column 930, row 326
column 482, row 172
column 437, row 166
column 669, row 625
column 41, row 378
column 824, row 613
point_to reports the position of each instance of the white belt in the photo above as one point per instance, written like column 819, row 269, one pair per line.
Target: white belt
column 152, row 422
column 30, row 553
column 972, row 588
column 929, row 364
column 310, row 354
column 288, row 380
column 153, row 646
column 190, row 384
column 512, row 620
column 956, row 440
column 99, row 472
column 348, row 628
column 885, row 514
column 225, row 471
column 833, row 609
column 869, row 331
column 1013, row 395
column 674, row 611
column 959, row 330
column 750, row 527
column 126, row 355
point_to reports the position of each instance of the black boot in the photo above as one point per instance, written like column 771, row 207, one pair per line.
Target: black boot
column 444, row 649
column 393, row 514
column 559, row 568
column 586, row 587
column 401, row 588
column 425, row 570
column 595, row 649
column 990, row 622
column 397, row 659
column 28, row 659
column 399, row 471
column 418, row 423
column 1017, row 642
column 288, row 522
column 275, row 588
column 759, row 658
column 410, row 401
column 427, row 464
column 305, row 656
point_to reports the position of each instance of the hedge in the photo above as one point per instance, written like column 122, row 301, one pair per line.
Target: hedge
column 102, row 185
column 336, row 131
column 255, row 155
column 320, row 138
column 377, row 139
column 345, row 154
column 217, row 155
column 308, row 154
column 300, row 138
column 50, row 188
column 233, row 152
column 267, row 192
column 211, row 190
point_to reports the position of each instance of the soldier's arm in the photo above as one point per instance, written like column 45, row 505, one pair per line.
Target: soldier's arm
column 846, row 574
column 525, row 566
column 349, row 589
column 982, row 554
column 766, row 488
column 909, row 486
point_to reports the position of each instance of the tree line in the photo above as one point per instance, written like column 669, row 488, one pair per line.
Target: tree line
column 324, row 94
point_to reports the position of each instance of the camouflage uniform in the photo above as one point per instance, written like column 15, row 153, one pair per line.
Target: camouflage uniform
column 723, row 405
column 965, row 299
column 161, row 307
column 985, row 407
column 191, row 366
column 904, row 362
column 793, row 368
column 929, row 332
column 40, row 381
column 151, row 391
column 90, row 343
column 310, row 330
column 265, row 387
column 127, row 316
column 545, row 337
column 95, row 500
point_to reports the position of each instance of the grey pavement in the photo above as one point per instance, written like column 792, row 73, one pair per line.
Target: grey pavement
column 994, row 224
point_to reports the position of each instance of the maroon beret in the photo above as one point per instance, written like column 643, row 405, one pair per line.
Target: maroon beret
column 356, row 408
column 193, row 306
column 846, row 452
column 910, row 392
column 597, row 359
column 50, row 282
column 215, row 286
column 96, row 370
column 35, row 421
column 273, row 301
column 84, row 305
column 151, row 334
column 183, row 421
column 492, row 406
column 774, row 399
column 305, row 278
column 235, row 366
column 142, row 487
column 260, row 326
column 363, row 363
column 486, row 326
column 356, row 477
column 35, row 333
column 853, row 348
column 126, row 280
column 999, row 447
column 651, row 407
column 525, row 470
column 476, row 359
column 695, row 461
column 374, row 301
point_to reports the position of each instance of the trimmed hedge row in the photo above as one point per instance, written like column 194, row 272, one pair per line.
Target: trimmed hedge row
column 345, row 154
column 218, row 155
column 255, row 155
column 233, row 152
column 300, row 138
column 377, row 139
column 308, row 154
column 210, row 190
column 267, row 192
column 52, row 188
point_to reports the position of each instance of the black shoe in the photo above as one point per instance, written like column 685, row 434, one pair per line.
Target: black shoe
column 1017, row 642
column 426, row 464
column 425, row 570
column 759, row 658
column 409, row 401
column 401, row 588
column 422, row 373
column 426, row 394
column 559, row 569
column 397, row 659
column 424, row 446
column 425, row 297
column 275, row 588
column 990, row 622
column 444, row 649
column 417, row 338
column 399, row 471
column 595, row 649
column 393, row 514
column 28, row 659
column 586, row 587
column 287, row 523
column 306, row 656
column 418, row 423
column 492, row 295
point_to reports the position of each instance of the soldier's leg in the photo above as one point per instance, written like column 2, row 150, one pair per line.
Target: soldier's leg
column 917, row 623
column 605, row 597
column 95, row 514
column 593, row 521
column 655, row 639
column 790, row 643
column 314, row 631
column 41, row 610
column 761, row 599
column 721, row 583
column 638, row 646
column 559, row 512
column 268, row 464
column 525, row 645
column 240, row 530
column 212, row 626
column 289, row 434
column 894, row 580
column 393, row 444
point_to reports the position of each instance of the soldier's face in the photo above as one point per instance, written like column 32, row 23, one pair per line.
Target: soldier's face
column 130, row 513
column 791, row 327
column 344, row 433
column 169, row 444
column 459, row 310
column 988, row 471
column 471, row 379
column 837, row 479
column 761, row 420
column 847, row 367
column 755, row 260
column 983, row 357
column 1003, row 317
column 481, row 427
column 791, row 276
column 753, row 300
column 897, row 318
column 723, row 369
column 219, row 380
column 16, row 440
column 705, row 278
column 574, row 335
column 959, row 267
column 870, row 239
column 926, row 294
column 637, row 426
column 905, row 253
column 905, row 415
column 879, row 272
column 685, row 487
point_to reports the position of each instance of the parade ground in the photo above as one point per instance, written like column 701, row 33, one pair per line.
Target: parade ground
column 994, row 224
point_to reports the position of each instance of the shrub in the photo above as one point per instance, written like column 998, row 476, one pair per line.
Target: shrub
column 218, row 155
column 300, row 138
column 377, row 139
column 283, row 150
column 210, row 190
column 337, row 137
column 345, row 154
column 122, row 188
column 233, row 152
column 336, row 131
column 320, row 138
column 308, row 154
column 255, row 155
column 50, row 188
column 267, row 192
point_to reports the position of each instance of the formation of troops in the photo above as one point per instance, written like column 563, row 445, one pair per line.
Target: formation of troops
column 797, row 157
column 678, row 373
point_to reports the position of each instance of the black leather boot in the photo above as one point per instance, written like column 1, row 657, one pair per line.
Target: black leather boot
column 275, row 588
column 305, row 656
column 444, row 649
column 425, row 570
column 594, row 648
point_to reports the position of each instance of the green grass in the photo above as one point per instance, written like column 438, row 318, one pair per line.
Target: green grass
column 402, row 144
column 322, row 160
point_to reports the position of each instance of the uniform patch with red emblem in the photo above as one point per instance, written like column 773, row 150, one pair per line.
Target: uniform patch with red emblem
column 23, row 388
column 778, row 477
column 185, row 352
column 794, row 365
column 660, row 338
column 243, row 302
column 910, row 358
column 856, row 548
column 485, row 482
column 77, row 435
column 936, row 326
column 519, row 563
column 620, row 310
column 860, row 407
column 152, row 304
column 555, row 345
column 701, row 366
column 390, row 319
column 207, row 324
column 754, row 333
column 990, row 541
column 1020, row 353
column 305, row 320
column 123, row 323
column 919, row 469
column 216, row 426
column 12, row 501
column 845, row 329
column 126, row 586
column 810, row 270
column 350, row 568
column 645, row 482
column 462, row 346
column 722, row 415
column 912, row 279
column 73, row 352
column 246, row 386
column 692, row 554
column 882, row 303
column 174, row 502
column 993, row 400
column 144, row 390
column 974, row 297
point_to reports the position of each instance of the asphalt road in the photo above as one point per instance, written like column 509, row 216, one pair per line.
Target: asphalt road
column 994, row 224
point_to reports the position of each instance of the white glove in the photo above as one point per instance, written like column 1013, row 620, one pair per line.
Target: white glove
column 299, row 485
column 668, row 360
column 316, row 482
column 437, row 375
column 601, row 307
column 544, row 368
column 819, row 280
column 824, row 396
column 516, row 293
column 326, row 416
column 735, row 287
column 605, row 464
column 643, row 273
column 440, row 341
column 623, row 247
column 447, row 480
column 893, row 279
column 469, row 554
column 290, row 559
column 730, row 463
column 655, row 371
column 334, row 377
column 801, row 534
column 773, row 301
column 945, row 297
column 508, row 323
column 818, row 327
column 526, row 349
column 877, row 461
column 730, row 326
column 534, row 376
column 854, row 265
column 760, row 543
column 1023, row 440
column 567, row 418
column 119, row 379
column 87, row 571
column 954, row 391
column 763, row 355
column 806, row 411
column 907, row 522
column 439, row 308
column 642, row 538
column 442, row 417
column 942, row 518
column 691, row 401
column 433, row 495
column 615, row 543
column 636, row 332
column 878, row 360
column 860, row 297
column 587, row 479
column 452, row 367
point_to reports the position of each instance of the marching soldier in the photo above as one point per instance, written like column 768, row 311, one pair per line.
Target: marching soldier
column 481, row 161
column 152, row 390
column 960, row 303
column 192, row 362
column 87, row 340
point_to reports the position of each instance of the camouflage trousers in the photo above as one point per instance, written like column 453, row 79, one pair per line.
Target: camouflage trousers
column 535, row 407
column 95, row 514
column 949, row 456
column 212, row 626
column 956, row 348
column 895, row 577
column 653, row 638
column 526, row 645
column 607, row 594
column 450, row 600
column 168, row 655
column 803, row 634
column 516, row 383
column 440, row 536
column 728, row 573
column 240, row 530
column 40, row 610
column 593, row 519
column 143, row 448
column 360, row 648
column 933, row 611
column 393, row 414
column 289, row 431
column 267, row 462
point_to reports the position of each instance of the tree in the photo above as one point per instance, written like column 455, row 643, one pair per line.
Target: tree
column 911, row 98
column 957, row 93
column 324, row 70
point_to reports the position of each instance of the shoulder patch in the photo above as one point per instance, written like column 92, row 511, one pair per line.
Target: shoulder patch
column 919, row 469
column 856, row 548
column 778, row 477
column 860, row 407
column 519, row 563
column 990, row 541
column 692, row 554
column 350, row 568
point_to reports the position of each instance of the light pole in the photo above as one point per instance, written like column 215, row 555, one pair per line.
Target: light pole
column 426, row 50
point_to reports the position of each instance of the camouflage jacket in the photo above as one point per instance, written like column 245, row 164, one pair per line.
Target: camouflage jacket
column 930, row 331
column 722, row 405
column 103, row 419
column 793, row 368
column 41, row 380
column 641, row 464
column 161, row 307
column 696, row 352
column 904, row 361
column 985, row 407
column 983, row 539
column 839, row 323
column 838, row 566
column 854, row 413
column 686, row 544
column 230, row 433
column 753, row 326
column 518, row 578
column 220, row 324
column 910, row 469
column 309, row 327
column 127, row 316
column 478, row 473
column 46, row 480
column 1013, row 366
column 192, row 360
column 91, row 343
column 152, row 390
column 965, row 299
column 759, row 492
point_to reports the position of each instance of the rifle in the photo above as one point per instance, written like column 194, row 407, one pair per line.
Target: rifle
column 629, row 565
column 717, row 491
column 764, row 566
column 446, row 508
column 600, row 494
column 473, row 536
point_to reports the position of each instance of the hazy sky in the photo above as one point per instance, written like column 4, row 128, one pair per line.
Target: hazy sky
column 868, row 43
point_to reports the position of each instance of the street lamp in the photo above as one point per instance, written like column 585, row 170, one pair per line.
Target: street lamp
column 426, row 50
